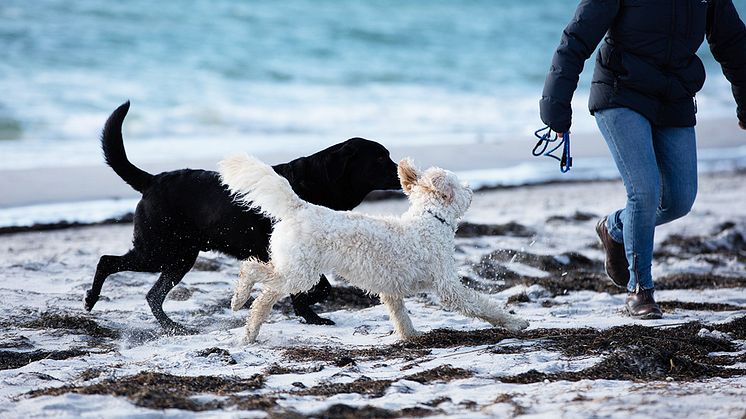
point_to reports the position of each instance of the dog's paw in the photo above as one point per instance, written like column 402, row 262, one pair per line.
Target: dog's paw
column 236, row 304
column 317, row 320
column 410, row 335
column 176, row 329
column 239, row 299
column 516, row 324
column 89, row 300
column 249, row 339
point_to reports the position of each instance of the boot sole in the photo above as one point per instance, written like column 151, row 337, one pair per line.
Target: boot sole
column 646, row 316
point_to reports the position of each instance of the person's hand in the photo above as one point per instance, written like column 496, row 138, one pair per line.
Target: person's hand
column 742, row 125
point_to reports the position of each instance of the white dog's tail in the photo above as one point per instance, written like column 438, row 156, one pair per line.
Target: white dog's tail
column 256, row 184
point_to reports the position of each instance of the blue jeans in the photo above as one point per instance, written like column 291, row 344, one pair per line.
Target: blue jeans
column 659, row 169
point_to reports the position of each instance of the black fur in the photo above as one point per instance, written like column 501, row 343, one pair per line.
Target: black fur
column 187, row 211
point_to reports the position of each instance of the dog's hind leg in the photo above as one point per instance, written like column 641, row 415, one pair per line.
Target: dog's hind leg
column 170, row 276
column 108, row 265
column 454, row 295
column 260, row 309
column 303, row 301
column 399, row 316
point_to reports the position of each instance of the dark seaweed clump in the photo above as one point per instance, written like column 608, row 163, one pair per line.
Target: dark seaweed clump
column 466, row 229
column 377, row 388
column 70, row 322
column 629, row 352
column 343, row 411
column 155, row 390
column 569, row 271
column 11, row 359
column 221, row 354
column 62, row 225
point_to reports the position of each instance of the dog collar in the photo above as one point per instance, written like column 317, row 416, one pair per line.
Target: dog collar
column 439, row 218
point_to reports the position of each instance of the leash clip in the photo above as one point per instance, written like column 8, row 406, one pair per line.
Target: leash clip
column 546, row 139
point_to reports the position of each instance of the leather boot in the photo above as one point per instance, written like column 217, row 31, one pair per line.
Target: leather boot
column 642, row 305
column 615, row 262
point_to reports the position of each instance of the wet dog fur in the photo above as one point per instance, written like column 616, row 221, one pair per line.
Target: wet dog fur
column 388, row 256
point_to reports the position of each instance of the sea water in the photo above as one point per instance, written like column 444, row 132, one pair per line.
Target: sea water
column 210, row 77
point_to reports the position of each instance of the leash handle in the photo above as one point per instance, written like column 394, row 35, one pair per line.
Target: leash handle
column 546, row 139
column 566, row 160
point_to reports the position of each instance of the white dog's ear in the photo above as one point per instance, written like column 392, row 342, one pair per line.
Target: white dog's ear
column 408, row 174
column 439, row 183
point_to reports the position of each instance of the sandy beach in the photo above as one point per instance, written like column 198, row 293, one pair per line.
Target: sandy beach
column 531, row 248
column 449, row 83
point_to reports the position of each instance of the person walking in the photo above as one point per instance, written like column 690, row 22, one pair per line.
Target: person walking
column 642, row 95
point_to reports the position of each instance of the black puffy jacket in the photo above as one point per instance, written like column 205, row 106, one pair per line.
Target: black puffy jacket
column 648, row 60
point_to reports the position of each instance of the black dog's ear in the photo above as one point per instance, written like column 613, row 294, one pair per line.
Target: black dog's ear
column 339, row 161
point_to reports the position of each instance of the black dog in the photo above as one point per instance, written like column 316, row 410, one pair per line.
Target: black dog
column 187, row 211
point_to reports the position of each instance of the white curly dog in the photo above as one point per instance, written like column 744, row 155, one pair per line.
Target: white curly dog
column 388, row 256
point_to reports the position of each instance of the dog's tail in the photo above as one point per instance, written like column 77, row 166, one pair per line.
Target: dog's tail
column 257, row 185
column 112, row 145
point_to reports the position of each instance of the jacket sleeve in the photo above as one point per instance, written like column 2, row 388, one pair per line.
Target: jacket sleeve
column 579, row 39
column 726, row 35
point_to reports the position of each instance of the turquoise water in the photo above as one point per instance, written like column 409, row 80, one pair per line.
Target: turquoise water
column 205, row 77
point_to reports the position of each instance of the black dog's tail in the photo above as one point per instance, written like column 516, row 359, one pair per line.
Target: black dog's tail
column 112, row 145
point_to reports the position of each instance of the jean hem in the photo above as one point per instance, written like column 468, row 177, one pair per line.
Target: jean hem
column 614, row 227
column 634, row 289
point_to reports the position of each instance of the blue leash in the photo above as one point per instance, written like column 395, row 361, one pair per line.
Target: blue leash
column 545, row 140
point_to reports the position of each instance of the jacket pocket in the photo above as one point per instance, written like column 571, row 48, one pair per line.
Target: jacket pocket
column 611, row 59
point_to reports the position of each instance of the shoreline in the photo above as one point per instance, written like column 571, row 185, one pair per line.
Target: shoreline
column 508, row 159
column 127, row 217
column 64, row 215
column 61, row 197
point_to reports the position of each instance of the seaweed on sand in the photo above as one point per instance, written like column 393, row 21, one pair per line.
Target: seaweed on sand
column 77, row 323
column 630, row 352
column 466, row 229
column 334, row 355
column 13, row 359
column 686, row 305
column 568, row 271
column 161, row 391
column 343, row 411
column 640, row 353
column 377, row 388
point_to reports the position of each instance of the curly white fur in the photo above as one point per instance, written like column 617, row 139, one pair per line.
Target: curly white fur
column 389, row 256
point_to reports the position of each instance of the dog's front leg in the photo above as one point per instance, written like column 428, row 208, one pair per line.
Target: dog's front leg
column 454, row 295
column 260, row 309
column 399, row 316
